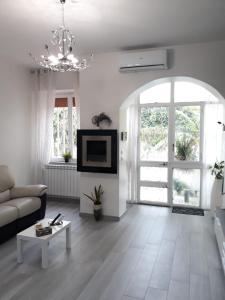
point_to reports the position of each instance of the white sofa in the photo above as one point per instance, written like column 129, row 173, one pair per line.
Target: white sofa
column 20, row 207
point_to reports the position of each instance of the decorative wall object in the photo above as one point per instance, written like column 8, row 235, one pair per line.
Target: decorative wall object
column 102, row 118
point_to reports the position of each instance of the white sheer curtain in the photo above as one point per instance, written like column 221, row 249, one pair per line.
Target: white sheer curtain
column 132, row 144
column 212, row 146
column 43, row 97
column 77, row 96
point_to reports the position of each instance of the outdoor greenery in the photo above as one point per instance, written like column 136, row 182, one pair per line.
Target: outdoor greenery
column 188, row 120
column 217, row 169
column 154, row 132
column 187, row 127
column 61, row 130
column 152, row 117
column 179, row 185
column 185, row 149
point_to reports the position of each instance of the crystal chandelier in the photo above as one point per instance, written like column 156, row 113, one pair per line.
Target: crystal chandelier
column 64, row 60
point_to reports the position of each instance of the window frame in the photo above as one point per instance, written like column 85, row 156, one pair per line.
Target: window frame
column 69, row 94
column 171, row 163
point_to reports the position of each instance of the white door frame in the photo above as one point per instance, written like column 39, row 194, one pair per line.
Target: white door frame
column 171, row 164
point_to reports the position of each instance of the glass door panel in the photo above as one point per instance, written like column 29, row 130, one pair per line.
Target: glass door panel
column 188, row 91
column 187, row 133
column 186, row 187
column 153, row 154
column 153, row 174
column 157, row 94
column 153, row 194
column 154, row 134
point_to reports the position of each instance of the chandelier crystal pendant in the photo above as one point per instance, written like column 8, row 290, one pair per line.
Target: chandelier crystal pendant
column 64, row 60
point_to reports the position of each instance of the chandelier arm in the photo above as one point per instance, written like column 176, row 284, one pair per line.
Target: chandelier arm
column 63, row 43
column 63, row 18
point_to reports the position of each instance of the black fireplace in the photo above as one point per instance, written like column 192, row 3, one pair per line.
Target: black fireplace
column 97, row 151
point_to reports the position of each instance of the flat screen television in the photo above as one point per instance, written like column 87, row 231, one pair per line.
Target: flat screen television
column 97, row 150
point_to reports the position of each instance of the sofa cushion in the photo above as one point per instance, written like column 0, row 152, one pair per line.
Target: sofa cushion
column 8, row 214
column 25, row 206
column 4, row 196
column 6, row 179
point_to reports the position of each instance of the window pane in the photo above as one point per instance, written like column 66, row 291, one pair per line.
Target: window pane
column 156, row 94
column 153, row 174
column 154, row 134
column 153, row 194
column 191, row 92
column 60, row 131
column 186, row 186
column 187, row 133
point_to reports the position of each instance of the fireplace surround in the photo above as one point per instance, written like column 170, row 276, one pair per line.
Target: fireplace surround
column 97, row 151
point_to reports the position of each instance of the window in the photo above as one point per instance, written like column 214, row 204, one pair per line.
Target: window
column 65, row 126
column 157, row 94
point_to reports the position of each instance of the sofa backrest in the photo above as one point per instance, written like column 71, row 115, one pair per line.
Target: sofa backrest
column 4, row 196
column 6, row 179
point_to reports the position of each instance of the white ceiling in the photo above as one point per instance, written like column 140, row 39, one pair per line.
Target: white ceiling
column 108, row 25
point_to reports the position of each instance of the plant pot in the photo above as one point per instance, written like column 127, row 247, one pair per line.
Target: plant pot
column 216, row 195
column 97, row 212
column 66, row 160
column 186, row 196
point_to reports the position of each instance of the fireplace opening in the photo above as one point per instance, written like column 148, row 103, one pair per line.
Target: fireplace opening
column 97, row 151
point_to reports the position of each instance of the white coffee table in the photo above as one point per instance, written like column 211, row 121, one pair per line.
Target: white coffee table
column 29, row 234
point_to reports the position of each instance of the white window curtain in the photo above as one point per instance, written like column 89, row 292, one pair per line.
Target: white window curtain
column 77, row 96
column 132, row 144
column 43, row 98
column 212, row 148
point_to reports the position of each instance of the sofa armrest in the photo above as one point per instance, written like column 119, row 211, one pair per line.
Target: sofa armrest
column 28, row 191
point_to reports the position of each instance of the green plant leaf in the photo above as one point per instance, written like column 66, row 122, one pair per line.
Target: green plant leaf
column 217, row 169
column 91, row 198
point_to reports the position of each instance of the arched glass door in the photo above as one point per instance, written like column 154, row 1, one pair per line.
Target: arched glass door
column 171, row 142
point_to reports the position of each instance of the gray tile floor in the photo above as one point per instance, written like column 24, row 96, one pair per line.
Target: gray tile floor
column 150, row 254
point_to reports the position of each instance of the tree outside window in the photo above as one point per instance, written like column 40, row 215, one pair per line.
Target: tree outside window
column 65, row 124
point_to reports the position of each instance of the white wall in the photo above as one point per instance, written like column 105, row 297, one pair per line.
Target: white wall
column 65, row 81
column 123, row 175
column 103, row 88
column 15, row 120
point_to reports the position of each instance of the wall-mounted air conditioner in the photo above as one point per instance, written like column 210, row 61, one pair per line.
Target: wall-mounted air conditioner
column 143, row 60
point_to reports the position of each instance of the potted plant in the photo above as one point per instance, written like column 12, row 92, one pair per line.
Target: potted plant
column 67, row 156
column 185, row 149
column 179, row 185
column 96, row 199
column 216, row 193
column 217, row 169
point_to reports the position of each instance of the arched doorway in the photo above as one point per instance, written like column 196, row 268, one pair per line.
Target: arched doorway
column 177, row 139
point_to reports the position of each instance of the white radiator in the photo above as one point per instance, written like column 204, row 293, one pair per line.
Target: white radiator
column 62, row 180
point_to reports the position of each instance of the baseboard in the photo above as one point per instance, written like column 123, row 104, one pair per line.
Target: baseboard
column 105, row 218
column 66, row 199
